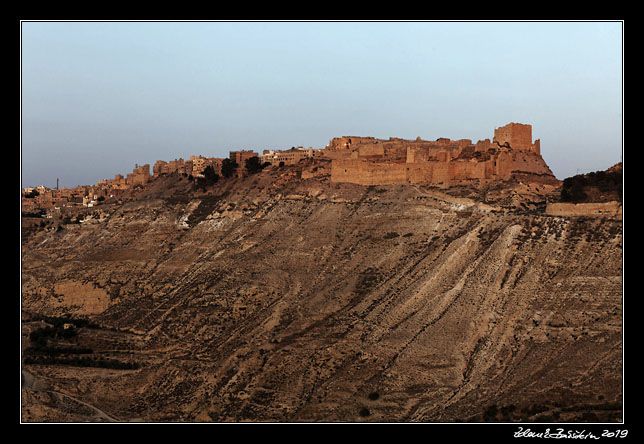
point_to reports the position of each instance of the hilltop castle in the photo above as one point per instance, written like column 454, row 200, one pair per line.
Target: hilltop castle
column 510, row 155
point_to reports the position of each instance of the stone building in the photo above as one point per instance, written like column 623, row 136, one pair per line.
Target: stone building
column 139, row 176
column 200, row 163
column 240, row 157
column 287, row 157
column 177, row 166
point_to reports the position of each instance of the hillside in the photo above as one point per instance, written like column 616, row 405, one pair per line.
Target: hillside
column 276, row 298
column 597, row 186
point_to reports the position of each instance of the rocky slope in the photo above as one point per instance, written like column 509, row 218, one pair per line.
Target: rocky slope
column 272, row 298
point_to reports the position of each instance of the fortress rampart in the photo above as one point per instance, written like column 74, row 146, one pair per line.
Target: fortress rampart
column 607, row 210
column 444, row 162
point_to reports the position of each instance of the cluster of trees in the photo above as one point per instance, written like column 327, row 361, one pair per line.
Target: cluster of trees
column 37, row 213
column 56, row 351
column 41, row 352
column 57, row 330
column 40, row 337
column 575, row 188
column 32, row 194
column 60, row 321
column 82, row 362
column 210, row 177
column 254, row 165
column 228, row 167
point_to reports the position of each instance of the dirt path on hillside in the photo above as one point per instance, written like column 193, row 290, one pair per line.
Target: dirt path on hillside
column 31, row 382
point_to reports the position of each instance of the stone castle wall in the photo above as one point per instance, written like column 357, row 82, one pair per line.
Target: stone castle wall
column 609, row 210
column 371, row 149
column 367, row 173
column 343, row 143
column 444, row 162
column 428, row 173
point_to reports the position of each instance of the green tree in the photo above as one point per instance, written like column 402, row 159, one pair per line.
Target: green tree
column 253, row 165
column 572, row 189
column 210, row 175
column 228, row 167
column 209, row 178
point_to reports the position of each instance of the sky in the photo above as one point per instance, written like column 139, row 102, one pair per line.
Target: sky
column 97, row 98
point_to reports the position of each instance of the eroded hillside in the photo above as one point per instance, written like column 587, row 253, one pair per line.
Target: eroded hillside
column 272, row 298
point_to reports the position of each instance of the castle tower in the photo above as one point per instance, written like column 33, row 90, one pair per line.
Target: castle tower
column 517, row 135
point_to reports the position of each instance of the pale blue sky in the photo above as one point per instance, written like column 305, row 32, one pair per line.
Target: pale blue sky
column 100, row 97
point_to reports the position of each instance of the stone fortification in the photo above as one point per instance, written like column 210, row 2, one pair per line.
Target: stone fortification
column 518, row 137
column 444, row 162
column 511, row 154
column 607, row 210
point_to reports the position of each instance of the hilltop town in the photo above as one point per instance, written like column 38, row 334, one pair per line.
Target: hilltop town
column 511, row 154
column 53, row 201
